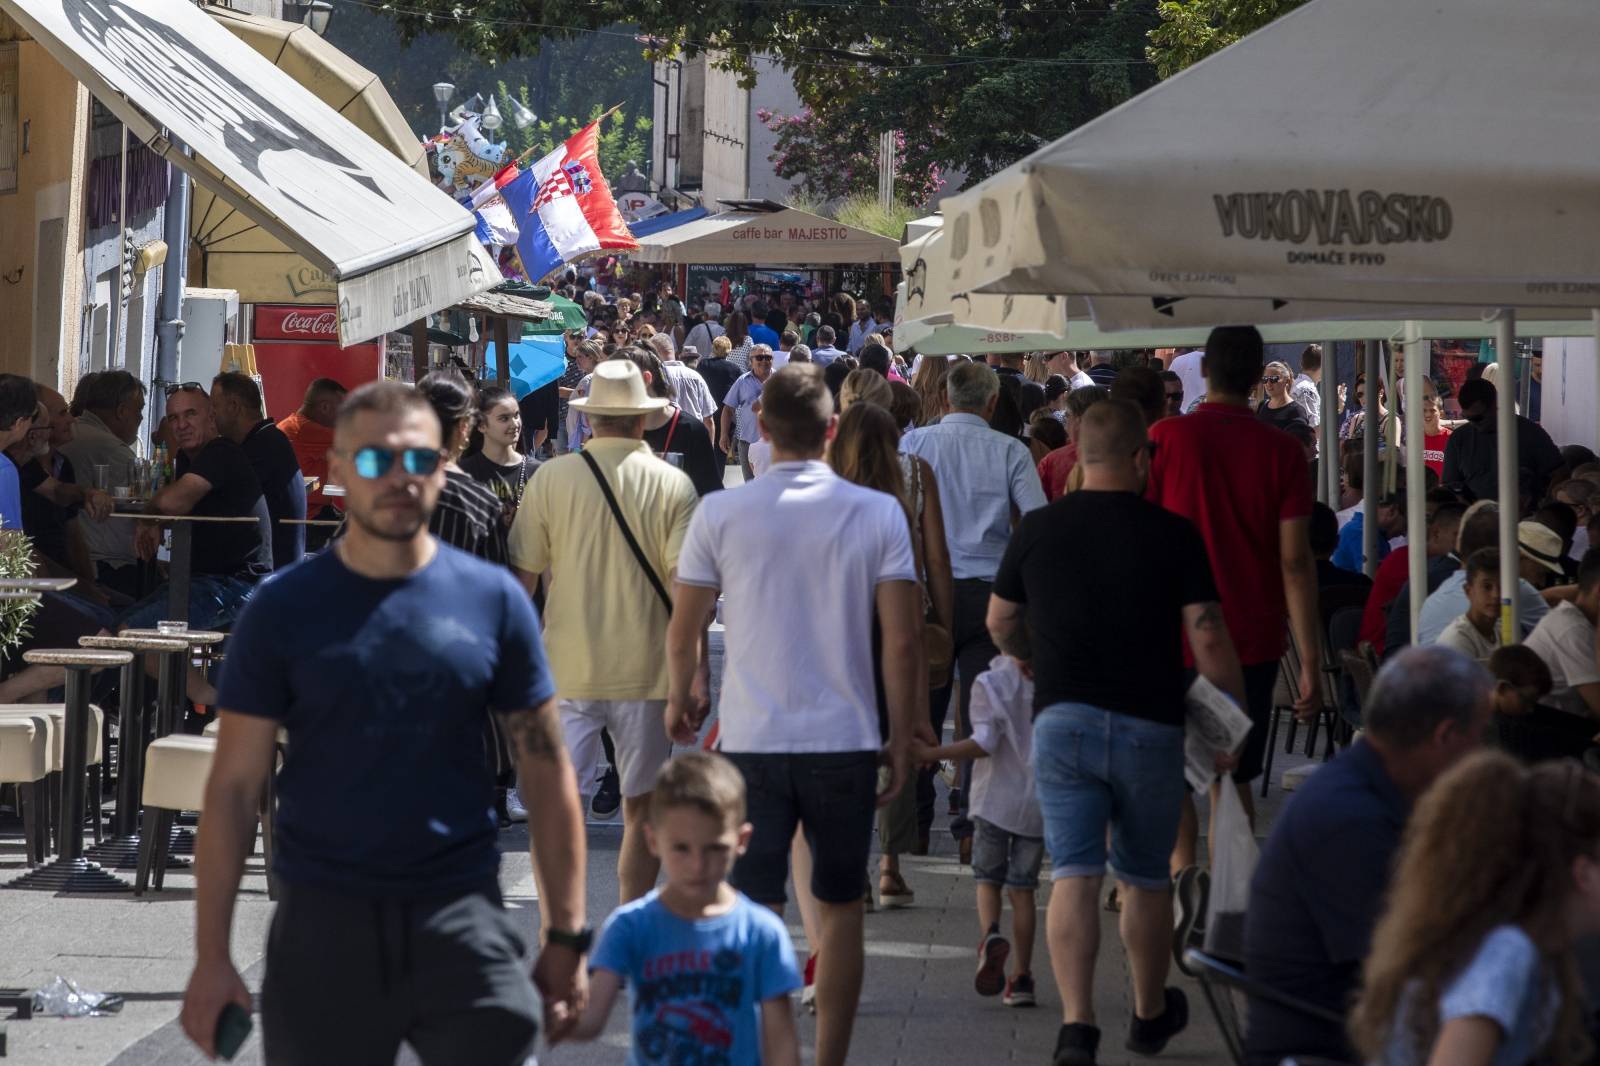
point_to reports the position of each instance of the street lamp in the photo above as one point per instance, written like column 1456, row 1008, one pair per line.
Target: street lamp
column 522, row 115
column 442, row 92
column 490, row 119
column 318, row 14
column 313, row 14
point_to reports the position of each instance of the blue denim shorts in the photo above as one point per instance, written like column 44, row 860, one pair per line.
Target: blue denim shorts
column 1004, row 858
column 1095, row 768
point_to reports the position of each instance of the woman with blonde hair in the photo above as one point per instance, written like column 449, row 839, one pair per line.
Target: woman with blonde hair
column 1279, row 407
column 929, row 381
column 865, row 386
column 1036, row 368
column 866, row 451
column 1471, row 963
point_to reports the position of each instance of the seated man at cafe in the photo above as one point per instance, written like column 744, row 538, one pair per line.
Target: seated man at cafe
column 112, row 409
column 1319, row 886
column 214, row 481
column 55, row 506
column 240, row 416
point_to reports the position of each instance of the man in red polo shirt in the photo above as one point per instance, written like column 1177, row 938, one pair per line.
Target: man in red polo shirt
column 1247, row 487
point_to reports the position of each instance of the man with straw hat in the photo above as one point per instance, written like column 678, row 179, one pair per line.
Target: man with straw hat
column 604, row 527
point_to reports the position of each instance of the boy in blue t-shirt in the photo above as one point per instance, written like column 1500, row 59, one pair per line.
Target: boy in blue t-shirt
column 709, row 972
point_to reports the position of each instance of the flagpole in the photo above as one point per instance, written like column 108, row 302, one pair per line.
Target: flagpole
column 528, row 154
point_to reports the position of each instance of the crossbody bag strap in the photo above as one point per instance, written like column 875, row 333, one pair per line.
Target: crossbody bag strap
column 627, row 534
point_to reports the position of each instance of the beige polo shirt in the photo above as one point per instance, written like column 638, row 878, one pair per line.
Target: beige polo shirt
column 605, row 628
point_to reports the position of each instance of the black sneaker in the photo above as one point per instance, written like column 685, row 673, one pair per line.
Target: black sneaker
column 609, row 798
column 1076, row 1045
column 1147, row 1036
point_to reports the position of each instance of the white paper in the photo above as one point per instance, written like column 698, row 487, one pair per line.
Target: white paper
column 1214, row 725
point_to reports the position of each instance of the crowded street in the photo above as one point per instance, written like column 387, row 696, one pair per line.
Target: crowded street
column 799, row 533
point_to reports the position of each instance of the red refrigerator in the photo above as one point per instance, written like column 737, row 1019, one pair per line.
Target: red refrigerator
column 297, row 344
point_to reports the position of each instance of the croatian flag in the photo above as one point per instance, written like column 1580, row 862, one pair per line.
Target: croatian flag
column 563, row 207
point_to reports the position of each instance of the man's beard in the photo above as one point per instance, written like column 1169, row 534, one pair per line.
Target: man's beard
column 423, row 516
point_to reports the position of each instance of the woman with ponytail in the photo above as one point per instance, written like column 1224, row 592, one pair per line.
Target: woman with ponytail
column 1471, row 963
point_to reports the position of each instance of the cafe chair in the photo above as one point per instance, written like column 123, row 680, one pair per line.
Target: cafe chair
column 1224, row 983
column 175, row 772
column 93, row 781
column 25, row 746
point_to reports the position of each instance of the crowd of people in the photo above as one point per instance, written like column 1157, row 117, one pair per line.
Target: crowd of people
column 925, row 509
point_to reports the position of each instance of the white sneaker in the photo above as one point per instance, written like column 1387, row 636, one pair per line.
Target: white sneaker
column 514, row 808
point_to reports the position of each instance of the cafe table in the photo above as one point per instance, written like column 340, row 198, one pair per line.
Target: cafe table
column 70, row 871
column 121, row 849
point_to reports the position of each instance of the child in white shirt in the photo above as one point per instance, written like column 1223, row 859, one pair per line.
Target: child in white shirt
column 1008, row 845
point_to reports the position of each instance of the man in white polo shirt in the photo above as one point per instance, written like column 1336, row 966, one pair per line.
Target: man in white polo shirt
column 799, row 716
column 1565, row 640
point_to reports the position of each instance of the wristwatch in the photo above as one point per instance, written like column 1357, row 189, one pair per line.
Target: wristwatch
column 577, row 942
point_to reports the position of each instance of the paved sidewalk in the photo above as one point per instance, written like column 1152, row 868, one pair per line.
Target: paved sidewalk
column 918, row 1005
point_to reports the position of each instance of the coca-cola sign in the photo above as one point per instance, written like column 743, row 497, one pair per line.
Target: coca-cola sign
column 291, row 322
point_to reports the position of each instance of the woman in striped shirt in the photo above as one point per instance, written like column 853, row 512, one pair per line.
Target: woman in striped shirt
column 468, row 513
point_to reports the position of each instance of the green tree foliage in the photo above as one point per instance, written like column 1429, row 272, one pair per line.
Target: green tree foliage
column 984, row 81
column 623, row 139
column 1190, row 30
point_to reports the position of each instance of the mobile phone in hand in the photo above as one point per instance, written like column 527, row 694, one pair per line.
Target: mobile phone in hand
column 233, row 1029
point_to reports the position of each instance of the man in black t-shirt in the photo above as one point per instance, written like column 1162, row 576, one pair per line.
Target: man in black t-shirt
column 214, row 480
column 1109, row 709
column 236, row 408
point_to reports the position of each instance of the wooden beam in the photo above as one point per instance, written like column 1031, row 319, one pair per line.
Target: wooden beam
column 502, row 351
column 419, row 349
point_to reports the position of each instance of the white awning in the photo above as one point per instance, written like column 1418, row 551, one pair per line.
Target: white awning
column 786, row 237
column 936, row 321
column 397, row 247
column 1448, row 158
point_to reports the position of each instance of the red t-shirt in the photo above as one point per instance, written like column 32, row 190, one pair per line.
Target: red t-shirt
column 1236, row 478
column 1433, row 450
column 1055, row 468
column 1393, row 573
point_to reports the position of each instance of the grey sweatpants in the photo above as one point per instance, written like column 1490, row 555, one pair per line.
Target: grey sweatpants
column 348, row 978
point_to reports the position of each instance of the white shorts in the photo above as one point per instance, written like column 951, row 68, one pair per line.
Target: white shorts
column 638, row 730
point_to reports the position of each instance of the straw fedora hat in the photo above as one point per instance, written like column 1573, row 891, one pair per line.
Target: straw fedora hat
column 617, row 388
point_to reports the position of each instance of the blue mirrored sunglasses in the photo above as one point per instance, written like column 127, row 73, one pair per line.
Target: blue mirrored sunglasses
column 376, row 462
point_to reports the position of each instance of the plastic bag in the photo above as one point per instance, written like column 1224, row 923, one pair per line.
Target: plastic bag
column 1233, row 863
column 64, row 999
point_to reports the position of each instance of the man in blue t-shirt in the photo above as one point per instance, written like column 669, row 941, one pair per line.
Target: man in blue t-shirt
column 18, row 401
column 1319, row 886
column 383, row 659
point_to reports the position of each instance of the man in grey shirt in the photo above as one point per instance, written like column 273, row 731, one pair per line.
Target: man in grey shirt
column 107, row 427
column 988, row 482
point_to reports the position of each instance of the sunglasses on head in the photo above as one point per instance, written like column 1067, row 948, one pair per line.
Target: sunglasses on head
column 375, row 462
column 187, row 386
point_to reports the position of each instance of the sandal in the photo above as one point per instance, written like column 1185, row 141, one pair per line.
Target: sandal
column 893, row 892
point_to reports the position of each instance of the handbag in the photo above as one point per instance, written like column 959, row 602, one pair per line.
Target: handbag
column 938, row 645
column 627, row 534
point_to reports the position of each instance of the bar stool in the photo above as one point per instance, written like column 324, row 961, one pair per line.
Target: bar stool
column 25, row 745
column 121, row 849
column 70, row 871
column 57, row 713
